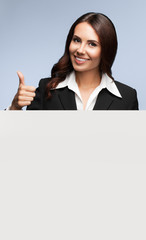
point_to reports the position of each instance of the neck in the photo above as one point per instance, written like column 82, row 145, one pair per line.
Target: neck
column 88, row 80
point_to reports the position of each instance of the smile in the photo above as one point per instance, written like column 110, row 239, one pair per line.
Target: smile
column 80, row 60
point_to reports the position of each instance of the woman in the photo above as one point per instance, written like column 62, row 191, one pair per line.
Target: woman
column 82, row 79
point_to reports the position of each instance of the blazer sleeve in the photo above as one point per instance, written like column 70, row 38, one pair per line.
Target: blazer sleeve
column 129, row 96
column 135, row 105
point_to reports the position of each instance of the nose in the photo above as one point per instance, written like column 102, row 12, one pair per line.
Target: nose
column 81, row 50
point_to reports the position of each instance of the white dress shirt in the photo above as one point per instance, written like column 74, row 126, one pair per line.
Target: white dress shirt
column 106, row 82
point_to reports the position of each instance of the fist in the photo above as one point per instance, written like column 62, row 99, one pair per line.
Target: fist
column 24, row 95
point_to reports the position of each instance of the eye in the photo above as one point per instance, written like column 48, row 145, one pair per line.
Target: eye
column 76, row 40
column 92, row 44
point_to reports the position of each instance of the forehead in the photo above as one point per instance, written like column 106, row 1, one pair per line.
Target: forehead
column 86, row 31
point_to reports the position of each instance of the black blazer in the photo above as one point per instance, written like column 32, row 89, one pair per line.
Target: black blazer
column 64, row 99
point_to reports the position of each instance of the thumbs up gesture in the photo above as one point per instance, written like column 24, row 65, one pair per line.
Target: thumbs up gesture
column 24, row 95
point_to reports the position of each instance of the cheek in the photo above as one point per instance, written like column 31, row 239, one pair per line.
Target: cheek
column 72, row 48
column 69, row 48
column 96, row 55
column 71, row 51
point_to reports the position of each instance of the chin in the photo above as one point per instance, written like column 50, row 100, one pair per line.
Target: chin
column 79, row 68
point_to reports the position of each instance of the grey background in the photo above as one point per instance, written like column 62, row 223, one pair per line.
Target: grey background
column 33, row 34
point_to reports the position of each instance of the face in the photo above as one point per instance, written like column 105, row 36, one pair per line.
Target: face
column 85, row 49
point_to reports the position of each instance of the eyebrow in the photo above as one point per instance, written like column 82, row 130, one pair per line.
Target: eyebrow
column 87, row 40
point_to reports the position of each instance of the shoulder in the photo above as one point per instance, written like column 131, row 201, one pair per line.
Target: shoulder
column 42, row 86
column 124, row 89
column 129, row 95
column 44, row 82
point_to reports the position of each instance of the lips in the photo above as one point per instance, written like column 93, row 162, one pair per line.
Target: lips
column 80, row 60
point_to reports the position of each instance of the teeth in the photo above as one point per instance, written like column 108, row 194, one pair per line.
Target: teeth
column 81, row 59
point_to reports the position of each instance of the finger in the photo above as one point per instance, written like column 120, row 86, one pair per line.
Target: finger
column 21, row 78
column 26, row 93
column 25, row 98
column 24, row 103
column 27, row 88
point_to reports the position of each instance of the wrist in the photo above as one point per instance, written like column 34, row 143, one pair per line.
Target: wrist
column 14, row 107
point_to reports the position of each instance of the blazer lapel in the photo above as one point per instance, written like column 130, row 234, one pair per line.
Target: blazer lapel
column 67, row 99
column 104, row 100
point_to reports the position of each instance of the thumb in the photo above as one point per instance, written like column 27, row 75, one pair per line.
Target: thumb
column 21, row 78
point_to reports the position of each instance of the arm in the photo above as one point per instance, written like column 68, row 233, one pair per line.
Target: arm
column 135, row 101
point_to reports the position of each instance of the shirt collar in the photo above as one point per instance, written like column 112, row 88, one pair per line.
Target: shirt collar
column 106, row 82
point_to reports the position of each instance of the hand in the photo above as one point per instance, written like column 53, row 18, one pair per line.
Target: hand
column 24, row 95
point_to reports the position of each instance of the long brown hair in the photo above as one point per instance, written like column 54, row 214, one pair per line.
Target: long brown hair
column 108, row 40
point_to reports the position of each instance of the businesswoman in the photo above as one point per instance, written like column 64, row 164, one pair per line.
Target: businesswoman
column 82, row 78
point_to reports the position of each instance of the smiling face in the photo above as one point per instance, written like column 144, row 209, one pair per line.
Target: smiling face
column 85, row 49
